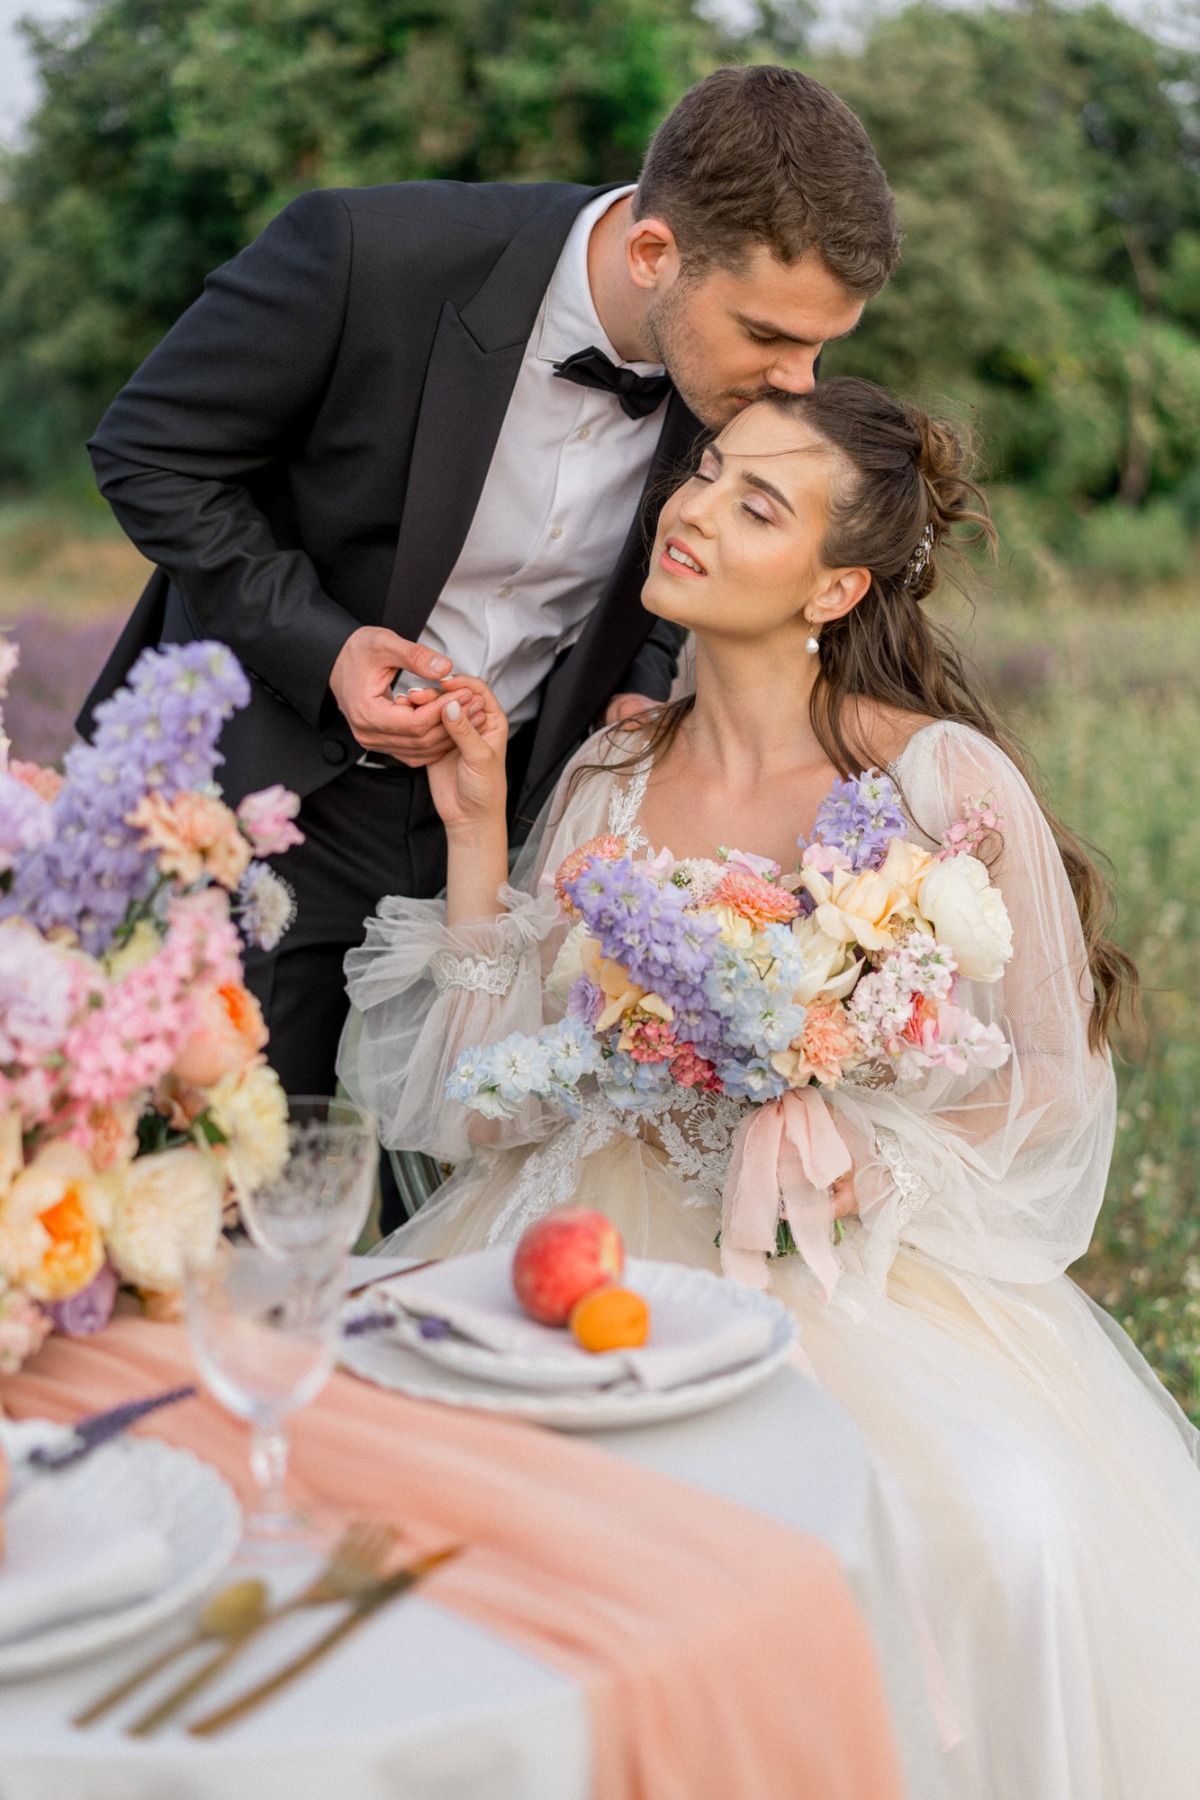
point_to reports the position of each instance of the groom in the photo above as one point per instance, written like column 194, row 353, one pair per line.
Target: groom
column 427, row 427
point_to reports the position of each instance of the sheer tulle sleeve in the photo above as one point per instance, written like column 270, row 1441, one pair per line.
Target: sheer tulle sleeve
column 999, row 1173
column 421, row 991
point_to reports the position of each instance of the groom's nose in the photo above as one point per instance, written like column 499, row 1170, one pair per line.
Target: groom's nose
column 794, row 372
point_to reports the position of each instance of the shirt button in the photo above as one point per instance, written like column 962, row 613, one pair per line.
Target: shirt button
column 585, row 431
column 334, row 751
column 556, row 531
column 504, row 592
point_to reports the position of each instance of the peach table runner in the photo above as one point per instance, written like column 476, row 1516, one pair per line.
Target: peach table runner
column 721, row 1652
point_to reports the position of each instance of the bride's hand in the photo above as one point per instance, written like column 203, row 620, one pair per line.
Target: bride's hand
column 845, row 1200
column 468, row 784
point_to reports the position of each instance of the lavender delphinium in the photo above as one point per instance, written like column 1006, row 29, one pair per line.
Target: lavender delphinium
column 647, row 928
column 158, row 732
column 860, row 817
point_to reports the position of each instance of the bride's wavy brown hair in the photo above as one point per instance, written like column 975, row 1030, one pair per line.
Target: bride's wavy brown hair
column 905, row 473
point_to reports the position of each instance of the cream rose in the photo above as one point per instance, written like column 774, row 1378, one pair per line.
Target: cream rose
column 968, row 916
column 168, row 1209
column 251, row 1111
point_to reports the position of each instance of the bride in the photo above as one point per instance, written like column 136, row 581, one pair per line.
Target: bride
column 1054, row 1480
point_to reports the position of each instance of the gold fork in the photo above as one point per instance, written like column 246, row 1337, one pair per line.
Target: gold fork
column 355, row 1564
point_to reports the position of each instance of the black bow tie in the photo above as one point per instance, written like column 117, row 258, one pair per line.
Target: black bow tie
column 640, row 395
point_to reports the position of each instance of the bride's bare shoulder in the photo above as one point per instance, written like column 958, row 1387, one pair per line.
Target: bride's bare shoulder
column 885, row 731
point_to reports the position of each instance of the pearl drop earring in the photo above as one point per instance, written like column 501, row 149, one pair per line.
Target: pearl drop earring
column 813, row 645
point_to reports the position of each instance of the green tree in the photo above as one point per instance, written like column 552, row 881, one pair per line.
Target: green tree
column 1045, row 161
column 172, row 130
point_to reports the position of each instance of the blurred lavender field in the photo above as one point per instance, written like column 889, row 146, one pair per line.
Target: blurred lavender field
column 59, row 662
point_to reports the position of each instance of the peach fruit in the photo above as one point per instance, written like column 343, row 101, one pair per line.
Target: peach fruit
column 561, row 1258
column 611, row 1318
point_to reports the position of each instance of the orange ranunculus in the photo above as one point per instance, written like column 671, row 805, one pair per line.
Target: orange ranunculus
column 51, row 1223
column 228, row 1034
column 762, row 902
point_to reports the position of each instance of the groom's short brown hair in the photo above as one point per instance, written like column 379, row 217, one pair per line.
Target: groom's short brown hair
column 766, row 155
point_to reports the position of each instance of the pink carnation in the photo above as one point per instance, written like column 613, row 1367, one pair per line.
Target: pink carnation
column 755, row 899
column 266, row 818
column 606, row 846
column 195, row 835
column 45, row 783
column 828, row 1045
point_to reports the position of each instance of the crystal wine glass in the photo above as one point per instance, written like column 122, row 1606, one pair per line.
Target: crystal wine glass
column 263, row 1328
column 319, row 1201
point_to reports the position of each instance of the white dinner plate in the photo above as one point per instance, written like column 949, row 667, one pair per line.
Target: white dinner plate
column 385, row 1358
column 134, row 1481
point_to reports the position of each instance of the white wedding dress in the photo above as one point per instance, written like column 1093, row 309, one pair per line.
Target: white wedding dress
column 1054, row 1481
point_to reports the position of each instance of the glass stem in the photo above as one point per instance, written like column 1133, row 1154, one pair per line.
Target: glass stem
column 268, row 1465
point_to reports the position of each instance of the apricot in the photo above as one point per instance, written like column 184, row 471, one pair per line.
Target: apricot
column 611, row 1318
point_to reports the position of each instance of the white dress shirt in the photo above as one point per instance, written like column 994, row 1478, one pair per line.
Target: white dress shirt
column 561, row 492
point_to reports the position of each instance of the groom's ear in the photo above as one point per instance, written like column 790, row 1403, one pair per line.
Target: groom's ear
column 652, row 254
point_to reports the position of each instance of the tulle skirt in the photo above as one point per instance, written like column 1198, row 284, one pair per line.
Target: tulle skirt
column 1053, row 1485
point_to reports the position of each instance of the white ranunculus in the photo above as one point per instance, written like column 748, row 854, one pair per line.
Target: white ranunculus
column 968, row 916
column 168, row 1208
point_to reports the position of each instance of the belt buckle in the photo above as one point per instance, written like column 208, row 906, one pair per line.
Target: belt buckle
column 367, row 761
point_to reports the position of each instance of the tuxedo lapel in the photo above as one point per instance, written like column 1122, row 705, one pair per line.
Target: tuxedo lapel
column 618, row 626
column 472, row 370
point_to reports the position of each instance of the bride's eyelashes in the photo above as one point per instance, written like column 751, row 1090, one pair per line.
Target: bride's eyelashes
column 709, row 474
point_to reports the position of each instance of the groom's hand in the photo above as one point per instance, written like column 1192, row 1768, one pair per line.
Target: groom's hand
column 623, row 709
column 361, row 682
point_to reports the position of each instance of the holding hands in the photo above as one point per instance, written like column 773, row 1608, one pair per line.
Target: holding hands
column 411, row 727
column 469, row 784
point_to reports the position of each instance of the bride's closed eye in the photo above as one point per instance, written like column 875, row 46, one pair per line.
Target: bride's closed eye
column 708, row 471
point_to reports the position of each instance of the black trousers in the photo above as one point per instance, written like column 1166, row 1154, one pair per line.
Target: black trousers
column 368, row 833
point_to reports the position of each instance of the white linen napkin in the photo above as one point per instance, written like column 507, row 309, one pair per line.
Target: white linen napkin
column 63, row 1560
column 693, row 1335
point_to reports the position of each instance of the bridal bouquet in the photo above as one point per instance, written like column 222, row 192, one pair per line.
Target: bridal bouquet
column 135, row 1101
column 732, row 977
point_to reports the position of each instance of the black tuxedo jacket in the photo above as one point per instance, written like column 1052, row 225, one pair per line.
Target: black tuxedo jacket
column 304, row 451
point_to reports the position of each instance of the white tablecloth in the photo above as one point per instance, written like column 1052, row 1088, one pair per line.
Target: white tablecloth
column 422, row 1705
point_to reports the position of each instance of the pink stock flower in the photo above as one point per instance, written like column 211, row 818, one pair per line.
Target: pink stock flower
column 979, row 820
column 266, row 818
column 131, row 1039
column 753, row 898
column 195, row 835
column 45, row 783
column 747, row 864
column 825, row 858
column 647, row 1039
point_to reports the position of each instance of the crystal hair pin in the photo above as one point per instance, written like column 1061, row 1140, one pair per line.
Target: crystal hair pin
column 918, row 562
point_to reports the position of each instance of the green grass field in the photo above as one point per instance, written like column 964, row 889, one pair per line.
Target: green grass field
column 1105, row 692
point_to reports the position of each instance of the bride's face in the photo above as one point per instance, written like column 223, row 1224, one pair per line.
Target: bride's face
column 737, row 552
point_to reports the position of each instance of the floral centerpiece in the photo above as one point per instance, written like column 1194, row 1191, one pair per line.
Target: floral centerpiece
column 135, row 1100
column 732, row 976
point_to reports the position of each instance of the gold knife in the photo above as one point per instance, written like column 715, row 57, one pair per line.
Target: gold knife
column 370, row 1602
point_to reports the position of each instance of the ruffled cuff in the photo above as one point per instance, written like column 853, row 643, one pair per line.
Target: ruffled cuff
column 421, row 992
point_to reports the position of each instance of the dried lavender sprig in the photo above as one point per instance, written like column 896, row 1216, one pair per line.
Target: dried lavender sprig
column 99, row 1428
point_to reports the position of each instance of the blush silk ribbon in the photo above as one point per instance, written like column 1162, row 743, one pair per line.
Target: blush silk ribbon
column 787, row 1154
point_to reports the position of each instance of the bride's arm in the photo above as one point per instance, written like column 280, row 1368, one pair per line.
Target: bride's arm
column 1003, row 1171
column 436, row 977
